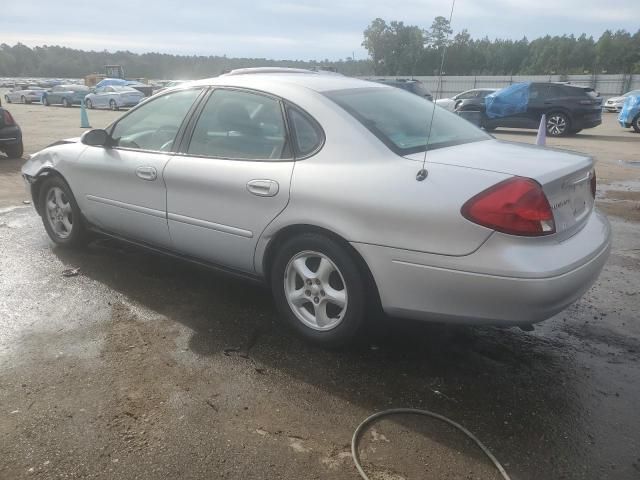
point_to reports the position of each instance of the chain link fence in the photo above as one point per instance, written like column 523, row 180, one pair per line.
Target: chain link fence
column 606, row 85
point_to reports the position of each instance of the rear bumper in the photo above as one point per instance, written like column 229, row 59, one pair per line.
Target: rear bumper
column 10, row 135
column 587, row 122
column 506, row 281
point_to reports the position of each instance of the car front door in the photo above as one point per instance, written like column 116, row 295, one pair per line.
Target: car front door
column 231, row 180
column 121, row 189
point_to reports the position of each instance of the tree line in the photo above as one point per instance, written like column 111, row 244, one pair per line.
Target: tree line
column 54, row 61
column 394, row 49
column 399, row 49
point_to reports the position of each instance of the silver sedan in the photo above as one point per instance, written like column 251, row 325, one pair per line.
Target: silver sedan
column 345, row 197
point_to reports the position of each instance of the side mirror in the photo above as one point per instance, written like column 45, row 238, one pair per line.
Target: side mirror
column 96, row 138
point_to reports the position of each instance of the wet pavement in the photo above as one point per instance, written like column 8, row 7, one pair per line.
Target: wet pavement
column 145, row 367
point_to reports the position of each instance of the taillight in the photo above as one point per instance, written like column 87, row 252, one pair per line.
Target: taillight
column 8, row 119
column 517, row 206
column 593, row 183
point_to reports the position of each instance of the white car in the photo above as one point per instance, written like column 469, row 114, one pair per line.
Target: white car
column 114, row 97
column 28, row 94
column 451, row 103
column 615, row 104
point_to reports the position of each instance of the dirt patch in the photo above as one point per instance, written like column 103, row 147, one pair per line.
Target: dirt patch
column 629, row 210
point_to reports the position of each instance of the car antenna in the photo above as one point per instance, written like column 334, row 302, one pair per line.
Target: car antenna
column 422, row 173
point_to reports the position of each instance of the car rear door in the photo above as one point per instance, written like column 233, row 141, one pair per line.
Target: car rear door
column 121, row 189
column 232, row 178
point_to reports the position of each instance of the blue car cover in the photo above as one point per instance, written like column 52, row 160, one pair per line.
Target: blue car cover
column 630, row 109
column 508, row 101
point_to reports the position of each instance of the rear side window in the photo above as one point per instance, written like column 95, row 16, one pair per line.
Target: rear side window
column 307, row 135
column 240, row 125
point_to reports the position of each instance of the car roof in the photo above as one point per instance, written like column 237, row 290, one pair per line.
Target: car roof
column 308, row 79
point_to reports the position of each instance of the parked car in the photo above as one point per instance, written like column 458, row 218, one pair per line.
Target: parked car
column 568, row 108
column 615, row 104
column 24, row 94
column 630, row 114
column 113, row 97
column 10, row 135
column 307, row 182
column 414, row 86
column 65, row 95
column 475, row 95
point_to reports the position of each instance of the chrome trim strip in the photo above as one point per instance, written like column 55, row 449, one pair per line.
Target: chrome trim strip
column 127, row 206
column 210, row 225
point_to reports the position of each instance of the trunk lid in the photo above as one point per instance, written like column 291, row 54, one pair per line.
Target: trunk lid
column 565, row 176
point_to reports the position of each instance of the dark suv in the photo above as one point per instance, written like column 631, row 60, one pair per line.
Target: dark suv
column 568, row 108
column 10, row 135
column 413, row 86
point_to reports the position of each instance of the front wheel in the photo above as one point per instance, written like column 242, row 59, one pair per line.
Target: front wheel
column 636, row 123
column 557, row 125
column 23, row 100
column 319, row 289
column 113, row 105
column 60, row 213
column 88, row 104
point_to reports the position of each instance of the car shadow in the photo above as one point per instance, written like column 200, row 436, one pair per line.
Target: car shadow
column 483, row 376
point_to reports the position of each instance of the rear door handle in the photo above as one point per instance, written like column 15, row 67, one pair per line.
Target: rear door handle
column 263, row 188
column 147, row 173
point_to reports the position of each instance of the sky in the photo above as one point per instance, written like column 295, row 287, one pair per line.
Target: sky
column 288, row 29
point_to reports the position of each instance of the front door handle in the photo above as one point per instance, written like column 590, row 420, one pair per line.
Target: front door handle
column 263, row 188
column 147, row 173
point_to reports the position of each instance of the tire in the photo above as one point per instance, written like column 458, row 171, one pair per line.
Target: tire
column 88, row 104
column 23, row 100
column 45, row 101
column 72, row 235
column 335, row 325
column 113, row 105
column 7, row 99
column 636, row 123
column 14, row 151
column 558, row 124
column 65, row 103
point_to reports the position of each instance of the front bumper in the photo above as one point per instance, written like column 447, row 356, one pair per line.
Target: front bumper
column 507, row 281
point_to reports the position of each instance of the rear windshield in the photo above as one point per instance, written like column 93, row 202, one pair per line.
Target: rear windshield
column 123, row 89
column 402, row 120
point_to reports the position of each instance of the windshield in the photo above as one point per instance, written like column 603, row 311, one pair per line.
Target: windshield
column 402, row 120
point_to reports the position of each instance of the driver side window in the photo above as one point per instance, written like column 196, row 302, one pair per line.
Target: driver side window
column 154, row 125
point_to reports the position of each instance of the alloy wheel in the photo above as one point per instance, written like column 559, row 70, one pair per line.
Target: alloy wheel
column 315, row 290
column 556, row 124
column 59, row 212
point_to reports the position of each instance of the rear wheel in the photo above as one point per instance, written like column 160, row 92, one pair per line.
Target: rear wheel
column 319, row 289
column 557, row 124
column 636, row 123
column 65, row 103
column 14, row 151
column 60, row 213
column 45, row 101
column 113, row 105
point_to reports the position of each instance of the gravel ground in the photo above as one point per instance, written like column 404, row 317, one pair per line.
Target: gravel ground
column 142, row 367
